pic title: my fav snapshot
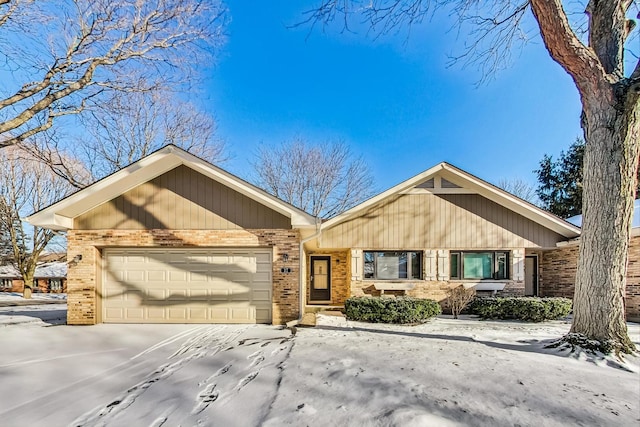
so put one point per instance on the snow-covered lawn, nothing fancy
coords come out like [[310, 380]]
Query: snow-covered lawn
[[443, 373], [17, 297]]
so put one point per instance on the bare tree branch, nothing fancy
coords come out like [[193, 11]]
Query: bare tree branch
[[97, 46], [322, 180]]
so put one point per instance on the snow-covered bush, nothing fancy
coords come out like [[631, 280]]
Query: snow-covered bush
[[391, 310], [529, 309]]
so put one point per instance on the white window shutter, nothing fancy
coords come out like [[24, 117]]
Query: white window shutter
[[430, 265], [518, 265], [443, 264], [356, 264]]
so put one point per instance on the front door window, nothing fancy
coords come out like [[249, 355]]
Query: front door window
[[320, 279]]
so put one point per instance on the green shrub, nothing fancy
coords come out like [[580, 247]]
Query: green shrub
[[391, 310], [529, 309]]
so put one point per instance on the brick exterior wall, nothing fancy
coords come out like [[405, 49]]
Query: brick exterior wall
[[558, 273], [339, 276], [84, 277]]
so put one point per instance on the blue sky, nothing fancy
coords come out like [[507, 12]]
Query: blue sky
[[393, 101]]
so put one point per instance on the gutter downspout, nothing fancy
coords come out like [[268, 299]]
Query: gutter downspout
[[302, 288]]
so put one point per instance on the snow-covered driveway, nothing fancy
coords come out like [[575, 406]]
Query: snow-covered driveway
[[130, 375], [443, 373]]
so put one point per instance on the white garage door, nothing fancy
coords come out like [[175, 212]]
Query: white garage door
[[186, 286]]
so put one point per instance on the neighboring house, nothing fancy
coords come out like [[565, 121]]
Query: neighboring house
[[174, 239], [561, 264], [49, 277]]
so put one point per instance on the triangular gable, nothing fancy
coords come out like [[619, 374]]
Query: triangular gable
[[445, 178], [60, 215]]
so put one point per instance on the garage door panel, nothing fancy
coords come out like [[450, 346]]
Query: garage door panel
[[177, 276], [183, 286], [156, 294], [263, 315], [263, 278], [114, 313], [219, 294], [156, 313], [242, 313], [134, 276], [261, 296], [134, 313], [177, 313], [157, 276], [198, 313], [198, 294]]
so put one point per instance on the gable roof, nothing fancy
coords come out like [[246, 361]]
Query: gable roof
[[60, 215], [446, 178]]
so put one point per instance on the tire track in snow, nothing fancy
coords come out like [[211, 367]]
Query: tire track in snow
[[207, 342], [258, 360]]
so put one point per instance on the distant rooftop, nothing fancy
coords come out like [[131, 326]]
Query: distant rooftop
[[46, 270], [577, 220]]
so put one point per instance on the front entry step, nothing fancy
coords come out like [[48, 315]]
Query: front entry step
[[308, 320], [319, 308]]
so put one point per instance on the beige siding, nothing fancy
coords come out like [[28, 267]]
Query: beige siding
[[455, 221], [181, 199]]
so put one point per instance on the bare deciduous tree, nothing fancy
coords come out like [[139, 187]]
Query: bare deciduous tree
[[127, 127], [60, 57], [591, 48], [520, 188], [26, 185], [323, 180]]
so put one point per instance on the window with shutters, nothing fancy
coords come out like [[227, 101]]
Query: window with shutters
[[388, 265], [475, 265]]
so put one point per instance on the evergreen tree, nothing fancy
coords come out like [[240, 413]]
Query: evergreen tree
[[560, 182]]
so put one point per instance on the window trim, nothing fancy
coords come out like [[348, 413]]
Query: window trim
[[6, 283], [420, 257], [494, 253]]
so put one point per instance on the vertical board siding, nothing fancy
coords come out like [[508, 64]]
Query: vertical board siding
[[457, 221], [181, 199]]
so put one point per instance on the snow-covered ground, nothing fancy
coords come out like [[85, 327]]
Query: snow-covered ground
[[39, 297], [443, 373], [42, 309]]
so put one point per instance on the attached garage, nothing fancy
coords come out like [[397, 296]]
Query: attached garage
[[160, 285], [172, 238]]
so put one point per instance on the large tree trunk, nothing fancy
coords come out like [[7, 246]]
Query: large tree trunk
[[610, 168]]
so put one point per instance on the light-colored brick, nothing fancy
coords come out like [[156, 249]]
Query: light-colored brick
[[82, 277]]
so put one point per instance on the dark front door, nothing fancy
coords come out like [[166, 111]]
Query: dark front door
[[320, 278], [531, 276]]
